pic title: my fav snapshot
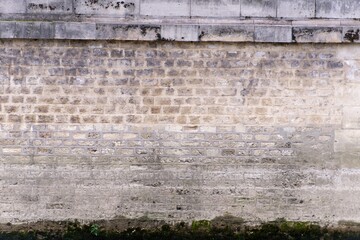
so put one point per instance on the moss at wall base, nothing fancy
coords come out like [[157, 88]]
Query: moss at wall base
[[220, 228]]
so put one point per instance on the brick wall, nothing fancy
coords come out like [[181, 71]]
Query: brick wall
[[178, 131]]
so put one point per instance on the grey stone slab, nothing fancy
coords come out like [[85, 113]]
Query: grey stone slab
[[351, 34], [226, 33], [75, 30], [337, 8], [11, 6], [215, 8], [296, 8], [180, 32], [128, 32], [317, 34], [7, 29], [273, 34], [107, 7], [258, 8], [35, 30], [49, 6], [173, 8]]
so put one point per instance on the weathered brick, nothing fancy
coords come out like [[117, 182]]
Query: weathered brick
[[144, 119]]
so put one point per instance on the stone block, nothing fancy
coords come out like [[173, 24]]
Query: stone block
[[7, 29], [128, 32], [347, 140], [337, 9], [352, 72], [180, 32], [11, 6], [172, 8], [107, 7], [296, 8], [215, 8], [258, 8], [75, 30], [226, 33], [41, 30], [349, 96], [273, 34], [49, 6], [317, 34], [351, 117]]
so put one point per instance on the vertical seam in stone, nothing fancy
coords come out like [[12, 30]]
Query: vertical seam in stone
[[26, 9], [315, 9], [190, 3], [240, 1], [73, 7]]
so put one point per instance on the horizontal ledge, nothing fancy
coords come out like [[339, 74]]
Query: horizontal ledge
[[311, 31]]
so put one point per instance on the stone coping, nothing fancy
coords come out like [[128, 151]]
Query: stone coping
[[271, 31], [291, 9]]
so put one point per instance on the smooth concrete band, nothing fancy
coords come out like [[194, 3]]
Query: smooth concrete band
[[245, 31]]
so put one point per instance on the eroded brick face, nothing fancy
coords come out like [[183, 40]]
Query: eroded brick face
[[176, 131]]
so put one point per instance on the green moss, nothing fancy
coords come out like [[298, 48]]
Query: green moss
[[218, 229], [203, 225]]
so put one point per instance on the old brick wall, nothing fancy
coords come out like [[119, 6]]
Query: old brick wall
[[178, 131]]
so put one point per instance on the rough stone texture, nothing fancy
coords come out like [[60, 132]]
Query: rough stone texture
[[128, 32], [107, 7], [318, 35], [178, 131], [351, 34], [226, 34], [49, 6]]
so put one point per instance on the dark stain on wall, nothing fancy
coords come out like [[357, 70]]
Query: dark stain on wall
[[352, 35], [111, 4]]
